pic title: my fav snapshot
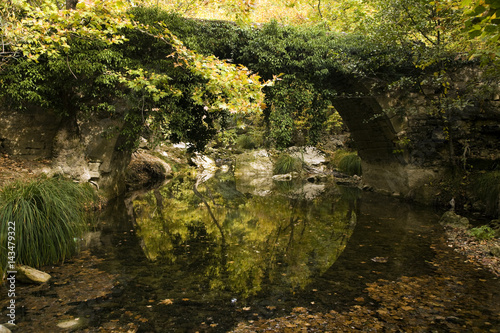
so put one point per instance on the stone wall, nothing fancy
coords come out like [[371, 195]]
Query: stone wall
[[28, 134], [81, 148]]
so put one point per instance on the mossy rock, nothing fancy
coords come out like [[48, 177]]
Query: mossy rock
[[495, 250], [453, 220]]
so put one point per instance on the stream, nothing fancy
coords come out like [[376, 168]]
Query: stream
[[230, 256]]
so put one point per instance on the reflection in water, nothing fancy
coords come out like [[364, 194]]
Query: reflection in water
[[243, 243]]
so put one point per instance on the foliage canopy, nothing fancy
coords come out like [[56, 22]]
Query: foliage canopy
[[91, 58], [102, 52]]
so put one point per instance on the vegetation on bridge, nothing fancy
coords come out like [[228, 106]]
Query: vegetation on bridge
[[168, 70]]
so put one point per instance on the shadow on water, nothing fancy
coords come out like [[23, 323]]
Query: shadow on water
[[296, 246]]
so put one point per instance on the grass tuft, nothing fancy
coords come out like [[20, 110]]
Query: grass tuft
[[49, 215], [286, 164], [350, 164]]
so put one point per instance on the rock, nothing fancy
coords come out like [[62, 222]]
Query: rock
[[143, 143], [28, 274], [283, 177], [94, 170], [286, 177], [310, 155], [495, 250], [71, 324], [317, 178], [180, 145], [145, 170], [4, 329], [204, 162], [452, 219], [9, 326], [256, 162]]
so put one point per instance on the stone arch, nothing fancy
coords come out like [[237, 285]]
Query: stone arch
[[375, 133]]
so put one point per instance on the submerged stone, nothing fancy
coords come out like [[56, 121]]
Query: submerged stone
[[28, 274], [71, 323]]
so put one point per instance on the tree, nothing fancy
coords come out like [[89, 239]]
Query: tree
[[483, 24], [87, 49]]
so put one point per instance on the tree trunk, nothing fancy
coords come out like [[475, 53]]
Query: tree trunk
[[71, 4]]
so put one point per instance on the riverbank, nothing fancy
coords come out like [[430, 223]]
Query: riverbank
[[475, 250], [12, 169]]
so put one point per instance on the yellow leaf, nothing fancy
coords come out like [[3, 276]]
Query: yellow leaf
[[167, 301]]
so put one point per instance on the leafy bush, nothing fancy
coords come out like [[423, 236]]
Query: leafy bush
[[483, 232], [350, 164], [287, 163], [49, 214]]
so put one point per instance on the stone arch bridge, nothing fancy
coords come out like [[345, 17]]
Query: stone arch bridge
[[402, 153]]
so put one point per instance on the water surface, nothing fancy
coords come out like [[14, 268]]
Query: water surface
[[205, 254]]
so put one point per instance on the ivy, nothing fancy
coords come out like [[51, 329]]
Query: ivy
[[91, 58]]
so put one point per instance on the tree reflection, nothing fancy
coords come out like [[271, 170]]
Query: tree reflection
[[241, 243]]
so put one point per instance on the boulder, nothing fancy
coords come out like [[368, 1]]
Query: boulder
[[145, 170], [204, 162], [310, 155], [495, 250], [255, 162], [452, 219], [28, 274], [4, 329]]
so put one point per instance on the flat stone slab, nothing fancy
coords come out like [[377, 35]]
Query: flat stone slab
[[28, 274]]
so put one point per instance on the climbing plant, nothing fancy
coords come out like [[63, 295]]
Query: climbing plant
[[86, 60]]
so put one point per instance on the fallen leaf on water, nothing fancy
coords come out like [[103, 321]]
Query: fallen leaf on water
[[380, 259], [299, 309], [167, 301]]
